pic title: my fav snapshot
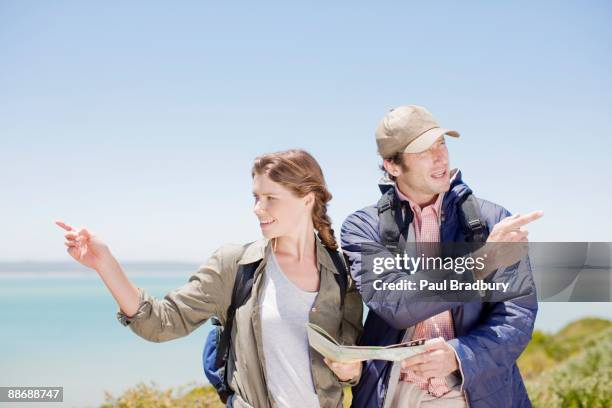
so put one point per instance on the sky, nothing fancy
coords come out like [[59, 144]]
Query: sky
[[141, 120]]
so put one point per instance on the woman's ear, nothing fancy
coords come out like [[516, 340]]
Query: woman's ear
[[309, 200]]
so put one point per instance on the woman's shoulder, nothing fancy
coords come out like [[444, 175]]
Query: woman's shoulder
[[242, 253], [223, 264]]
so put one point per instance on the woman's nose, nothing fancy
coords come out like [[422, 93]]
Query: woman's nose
[[258, 208]]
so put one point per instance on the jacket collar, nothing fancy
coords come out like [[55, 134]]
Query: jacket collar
[[257, 250]]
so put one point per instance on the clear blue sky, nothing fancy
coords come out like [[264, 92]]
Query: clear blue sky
[[140, 120]]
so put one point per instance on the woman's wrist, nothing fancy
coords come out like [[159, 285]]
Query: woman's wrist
[[107, 262]]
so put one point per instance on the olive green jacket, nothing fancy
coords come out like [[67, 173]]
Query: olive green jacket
[[208, 293]]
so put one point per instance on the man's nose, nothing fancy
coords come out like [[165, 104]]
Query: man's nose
[[439, 155]]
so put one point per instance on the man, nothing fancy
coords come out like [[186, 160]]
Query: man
[[472, 346]]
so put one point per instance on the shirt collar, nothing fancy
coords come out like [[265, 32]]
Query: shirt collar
[[436, 205], [415, 207], [257, 250]]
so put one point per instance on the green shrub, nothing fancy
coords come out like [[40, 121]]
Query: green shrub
[[150, 396], [583, 380]]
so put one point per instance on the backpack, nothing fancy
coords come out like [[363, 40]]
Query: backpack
[[217, 345], [393, 225], [391, 218]]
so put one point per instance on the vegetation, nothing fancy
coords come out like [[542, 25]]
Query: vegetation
[[572, 369], [569, 369], [150, 396]]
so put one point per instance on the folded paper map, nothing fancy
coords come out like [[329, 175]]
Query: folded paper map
[[325, 344]]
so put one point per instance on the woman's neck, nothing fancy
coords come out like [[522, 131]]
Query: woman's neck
[[299, 246]]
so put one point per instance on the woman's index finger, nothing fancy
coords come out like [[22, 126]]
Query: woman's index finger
[[64, 225]]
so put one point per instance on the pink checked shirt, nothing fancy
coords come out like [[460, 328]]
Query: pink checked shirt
[[426, 223]]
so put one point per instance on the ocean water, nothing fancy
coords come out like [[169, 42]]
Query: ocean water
[[61, 330]]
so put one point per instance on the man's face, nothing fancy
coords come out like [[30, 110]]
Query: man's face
[[424, 174]]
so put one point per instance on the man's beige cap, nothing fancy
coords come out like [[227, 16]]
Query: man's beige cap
[[410, 129]]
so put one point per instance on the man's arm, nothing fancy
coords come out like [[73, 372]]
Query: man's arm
[[399, 308], [506, 327], [495, 344]]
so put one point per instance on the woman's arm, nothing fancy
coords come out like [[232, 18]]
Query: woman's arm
[[90, 251], [123, 290], [182, 310], [352, 328], [352, 316]]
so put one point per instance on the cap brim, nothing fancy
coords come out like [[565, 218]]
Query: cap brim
[[424, 142]]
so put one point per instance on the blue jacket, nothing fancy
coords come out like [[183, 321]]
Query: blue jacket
[[489, 336]]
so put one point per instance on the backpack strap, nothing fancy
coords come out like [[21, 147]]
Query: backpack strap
[[474, 227], [243, 285], [393, 213], [342, 275], [390, 216]]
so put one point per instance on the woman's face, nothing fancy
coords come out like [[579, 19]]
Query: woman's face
[[279, 211]]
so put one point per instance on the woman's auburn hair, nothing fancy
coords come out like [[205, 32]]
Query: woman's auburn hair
[[300, 173]]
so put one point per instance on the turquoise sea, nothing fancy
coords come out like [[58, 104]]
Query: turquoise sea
[[61, 330]]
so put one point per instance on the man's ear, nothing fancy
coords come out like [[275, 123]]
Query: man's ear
[[391, 168]]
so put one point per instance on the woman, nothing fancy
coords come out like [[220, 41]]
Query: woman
[[271, 364]]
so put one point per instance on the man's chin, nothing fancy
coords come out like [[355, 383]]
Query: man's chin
[[441, 186]]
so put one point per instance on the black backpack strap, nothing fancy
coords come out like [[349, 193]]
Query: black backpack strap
[[393, 225], [342, 275], [474, 227], [243, 285], [394, 217]]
